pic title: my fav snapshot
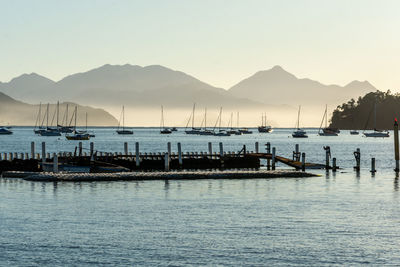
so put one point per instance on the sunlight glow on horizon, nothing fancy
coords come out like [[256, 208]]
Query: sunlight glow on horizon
[[219, 42]]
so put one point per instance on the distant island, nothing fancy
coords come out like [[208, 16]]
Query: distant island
[[360, 114]]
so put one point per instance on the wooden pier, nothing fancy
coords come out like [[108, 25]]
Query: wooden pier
[[100, 161]]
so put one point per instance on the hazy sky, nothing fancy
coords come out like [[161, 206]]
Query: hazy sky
[[217, 41]]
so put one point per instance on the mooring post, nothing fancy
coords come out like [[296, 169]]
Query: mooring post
[[137, 155], [396, 144], [373, 170], [210, 149], [55, 162], [169, 148], [357, 155], [273, 157], [32, 150], [297, 152], [126, 148], [180, 155], [268, 148], [80, 149], [327, 156], [43, 152], [221, 149], [91, 149], [334, 165], [303, 161], [166, 161], [256, 147]]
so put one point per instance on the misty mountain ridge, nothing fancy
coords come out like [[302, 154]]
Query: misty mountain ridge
[[275, 91], [276, 85], [116, 85]]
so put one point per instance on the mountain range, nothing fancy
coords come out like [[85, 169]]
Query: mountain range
[[274, 91]]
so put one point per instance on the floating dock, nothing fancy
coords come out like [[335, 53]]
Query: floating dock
[[156, 175]]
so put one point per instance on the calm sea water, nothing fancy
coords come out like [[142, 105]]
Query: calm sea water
[[335, 219]]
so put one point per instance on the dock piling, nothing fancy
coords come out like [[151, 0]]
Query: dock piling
[[268, 148], [373, 170], [32, 150], [303, 161], [210, 149], [296, 154], [91, 149], [334, 165], [256, 145], [137, 155], [221, 149], [126, 148], [55, 163], [166, 161], [180, 155], [43, 152], [396, 144], [273, 157], [327, 156], [357, 155], [80, 149], [169, 148]]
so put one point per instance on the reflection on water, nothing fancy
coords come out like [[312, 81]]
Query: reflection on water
[[344, 218]]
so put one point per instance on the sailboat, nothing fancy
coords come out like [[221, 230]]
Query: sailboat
[[232, 130], [264, 128], [376, 132], [299, 133], [205, 131], [326, 131], [123, 131], [76, 134], [63, 128], [220, 132], [38, 127], [50, 131], [163, 130], [193, 130]]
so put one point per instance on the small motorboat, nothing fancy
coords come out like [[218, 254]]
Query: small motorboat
[[4, 131], [354, 132]]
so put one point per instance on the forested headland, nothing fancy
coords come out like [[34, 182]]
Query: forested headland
[[360, 114]]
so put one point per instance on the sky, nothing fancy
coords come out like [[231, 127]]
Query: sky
[[217, 41]]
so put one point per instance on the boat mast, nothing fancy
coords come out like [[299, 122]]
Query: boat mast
[[298, 118], [326, 116], [162, 118], [58, 106], [123, 118], [39, 115], [76, 115], [375, 116], [66, 115], [194, 107], [205, 119], [47, 117], [86, 121]]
